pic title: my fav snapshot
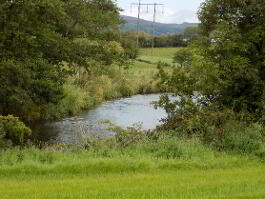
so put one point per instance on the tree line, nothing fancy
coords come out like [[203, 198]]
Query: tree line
[[165, 40]]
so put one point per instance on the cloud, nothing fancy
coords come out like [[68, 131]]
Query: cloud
[[165, 15]]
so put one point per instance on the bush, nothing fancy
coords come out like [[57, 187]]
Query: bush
[[247, 141], [25, 87], [223, 130], [13, 129], [123, 87], [130, 136]]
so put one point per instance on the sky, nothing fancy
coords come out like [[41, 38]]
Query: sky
[[173, 11]]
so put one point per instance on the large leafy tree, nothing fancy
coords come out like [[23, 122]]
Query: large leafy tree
[[228, 64], [37, 35], [234, 33]]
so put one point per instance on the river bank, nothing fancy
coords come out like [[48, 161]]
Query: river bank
[[83, 92]]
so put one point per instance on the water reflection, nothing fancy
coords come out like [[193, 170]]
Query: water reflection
[[123, 112]]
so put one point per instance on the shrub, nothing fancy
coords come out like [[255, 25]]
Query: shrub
[[13, 129], [247, 141], [130, 136], [223, 130], [123, 87]]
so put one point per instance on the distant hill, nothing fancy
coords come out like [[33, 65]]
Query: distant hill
[[160, 28]]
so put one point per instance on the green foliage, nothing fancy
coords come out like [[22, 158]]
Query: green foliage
[[250, 140], [160, 41], [169, 40], [183, 56], [191, 34], [223, 130], [123, 86], [224, 71], [238, 66], [13, 129], [179, 148], [37, 36], [130, 136], [221, 91], [128, 42], [24, 88]]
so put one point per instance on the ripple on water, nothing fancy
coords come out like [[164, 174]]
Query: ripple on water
[[123, 112]]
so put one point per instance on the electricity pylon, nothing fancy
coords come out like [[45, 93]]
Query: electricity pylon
[[139, 4]]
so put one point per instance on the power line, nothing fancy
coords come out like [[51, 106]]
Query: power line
[[139, 4]]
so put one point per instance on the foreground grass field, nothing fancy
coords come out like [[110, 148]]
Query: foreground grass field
[[187, 170], [177, 184]]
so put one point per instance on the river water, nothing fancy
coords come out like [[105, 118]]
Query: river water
[[125, 112]]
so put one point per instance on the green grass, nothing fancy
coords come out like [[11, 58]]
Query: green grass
[[128, 174], [158, 54], [215, 184], [142, 71], [169, 168]]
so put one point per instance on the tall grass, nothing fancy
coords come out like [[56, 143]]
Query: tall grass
[[164, 168], [107, 156]]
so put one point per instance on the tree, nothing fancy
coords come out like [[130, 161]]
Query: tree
[[235, 44], [191, 33], [183, 56], [227, 70], [36, 36]]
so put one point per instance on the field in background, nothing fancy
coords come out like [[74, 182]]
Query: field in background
[[144, 68], [158, 54]]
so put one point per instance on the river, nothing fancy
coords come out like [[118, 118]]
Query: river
[[125, 112]]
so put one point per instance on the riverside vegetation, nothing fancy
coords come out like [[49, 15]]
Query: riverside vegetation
[[211, 145]]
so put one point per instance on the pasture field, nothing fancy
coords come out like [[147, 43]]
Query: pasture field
[[143, 70], [158, 54]]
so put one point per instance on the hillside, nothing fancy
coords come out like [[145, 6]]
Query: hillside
[[160, 28]]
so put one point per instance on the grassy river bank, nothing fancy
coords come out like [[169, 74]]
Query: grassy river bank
[[84, 91]]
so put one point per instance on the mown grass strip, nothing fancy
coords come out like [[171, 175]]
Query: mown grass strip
[[241, 183]]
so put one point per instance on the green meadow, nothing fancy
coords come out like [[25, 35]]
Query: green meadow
[[142, 71]]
